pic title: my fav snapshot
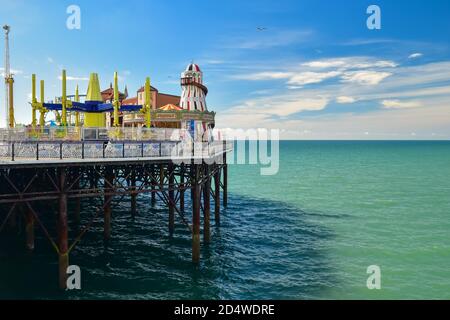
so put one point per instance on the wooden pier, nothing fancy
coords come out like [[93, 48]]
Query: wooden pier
[[59, 174]]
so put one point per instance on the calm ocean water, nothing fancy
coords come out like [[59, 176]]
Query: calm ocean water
[[309, 232]]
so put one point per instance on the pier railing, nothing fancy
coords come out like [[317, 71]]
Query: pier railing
[[92, 134], [66, 150]]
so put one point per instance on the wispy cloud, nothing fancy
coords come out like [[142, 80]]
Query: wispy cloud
[[279, 105], [350, 63], [397, 104], [359, 70], [345, 100], [365, 77], [71, 78], [213, 61], [363, 42], [311, 77], [268, 75], [13, 71], [415, 55], [325, 63]]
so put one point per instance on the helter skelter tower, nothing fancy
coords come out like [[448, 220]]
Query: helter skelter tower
[[193, 98], [193, 92]]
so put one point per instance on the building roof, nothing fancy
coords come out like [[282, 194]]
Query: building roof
[[169, 107], [133, 100], [162, 99], [108, 94], [141, 89], [193, 67]]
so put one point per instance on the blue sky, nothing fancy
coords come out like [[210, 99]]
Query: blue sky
[[315, 71]]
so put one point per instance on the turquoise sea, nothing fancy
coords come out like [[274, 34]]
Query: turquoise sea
[[309, 232]]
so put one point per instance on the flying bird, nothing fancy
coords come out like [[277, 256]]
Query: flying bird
[[261, 28]]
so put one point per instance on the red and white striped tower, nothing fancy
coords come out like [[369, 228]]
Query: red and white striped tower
[[193, 92], [193, 98]]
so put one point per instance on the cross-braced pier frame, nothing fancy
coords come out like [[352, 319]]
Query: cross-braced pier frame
[[25, 183]]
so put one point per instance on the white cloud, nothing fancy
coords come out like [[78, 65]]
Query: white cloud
[[264, 76], [415, 55], [350, 63], [279, 105], [13, 71], [326, 63], [294, 87], [311, 77], [361, 70], [259, 92], [397, 104], [345, 99], [70, 78], [286, 108], [389, 90], [294, 79], [213, 61], [365, 77], [374, 64]]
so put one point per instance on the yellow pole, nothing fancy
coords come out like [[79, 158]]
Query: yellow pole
[[33, 88], [42, 108], [33, 101], [116, 102], [42, 91], [77, 114], [148, 104], [11, 102], [64, 100]]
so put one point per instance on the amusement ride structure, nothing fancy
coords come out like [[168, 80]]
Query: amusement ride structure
[[192, 116]]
